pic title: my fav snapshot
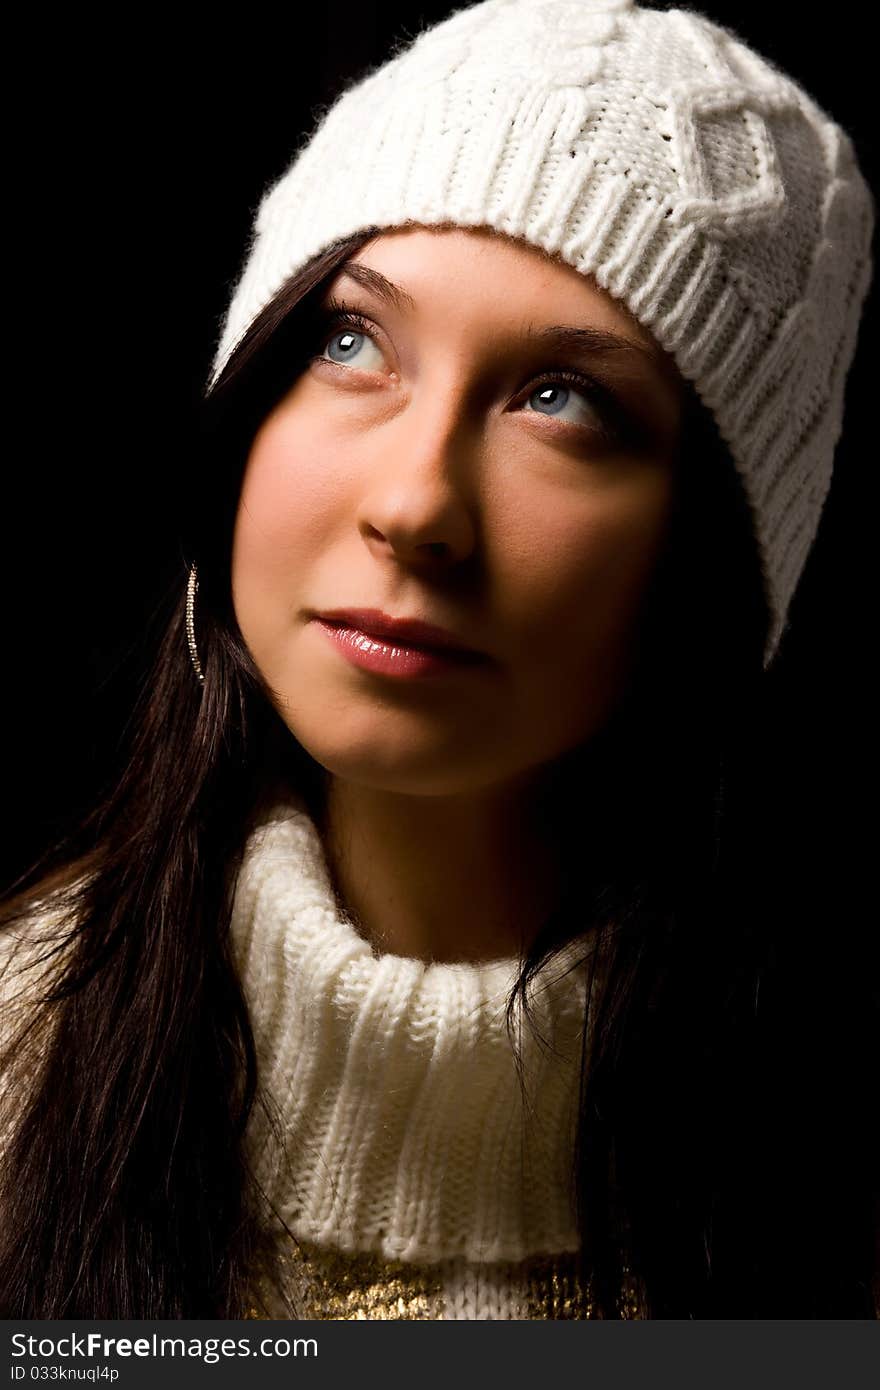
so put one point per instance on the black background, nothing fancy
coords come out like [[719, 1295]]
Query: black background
[[138, 146]]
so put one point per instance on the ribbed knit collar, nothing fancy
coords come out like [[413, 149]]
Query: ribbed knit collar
[[405, 1131]]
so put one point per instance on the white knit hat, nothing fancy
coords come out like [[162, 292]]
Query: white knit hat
[[651, 150]]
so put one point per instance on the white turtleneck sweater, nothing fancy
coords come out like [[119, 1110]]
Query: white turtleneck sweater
[[416, 1177]]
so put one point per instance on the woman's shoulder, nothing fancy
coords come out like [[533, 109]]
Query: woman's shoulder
[[29, 956], [30, 945]]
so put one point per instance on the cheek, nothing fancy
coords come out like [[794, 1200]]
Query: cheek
[[289, 497], [277, 529], [585, 558], [283, 496], [578, 569]]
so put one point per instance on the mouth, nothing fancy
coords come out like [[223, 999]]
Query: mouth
[[400, 632], [394, 656]]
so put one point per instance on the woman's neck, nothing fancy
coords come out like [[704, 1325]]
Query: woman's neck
[[442, 878]]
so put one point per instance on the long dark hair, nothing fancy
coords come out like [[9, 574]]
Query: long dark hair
[[130, 1073]]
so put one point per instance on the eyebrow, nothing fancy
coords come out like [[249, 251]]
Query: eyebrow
[[557, 338]]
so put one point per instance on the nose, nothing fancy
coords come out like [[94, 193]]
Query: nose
[[420, 500]]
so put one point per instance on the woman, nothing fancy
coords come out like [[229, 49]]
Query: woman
[[541, 340]]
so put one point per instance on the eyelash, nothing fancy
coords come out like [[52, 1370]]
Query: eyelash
[[616, 427]]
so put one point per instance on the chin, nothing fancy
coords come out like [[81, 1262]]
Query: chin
[[405, 771]]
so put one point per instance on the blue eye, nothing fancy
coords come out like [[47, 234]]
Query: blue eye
[[559, 390], [354, 332], [556, 393]]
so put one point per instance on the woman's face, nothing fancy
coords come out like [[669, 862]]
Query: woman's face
[[457, 460]]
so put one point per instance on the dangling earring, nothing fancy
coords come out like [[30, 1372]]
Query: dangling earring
[[190, 622]]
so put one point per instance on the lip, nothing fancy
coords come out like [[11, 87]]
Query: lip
[[402, 632], [390, 655]]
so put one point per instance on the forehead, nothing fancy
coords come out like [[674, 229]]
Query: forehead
[[505, 282]]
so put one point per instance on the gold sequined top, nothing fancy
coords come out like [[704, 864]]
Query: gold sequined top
[[420, 1173], [324, 1283]]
